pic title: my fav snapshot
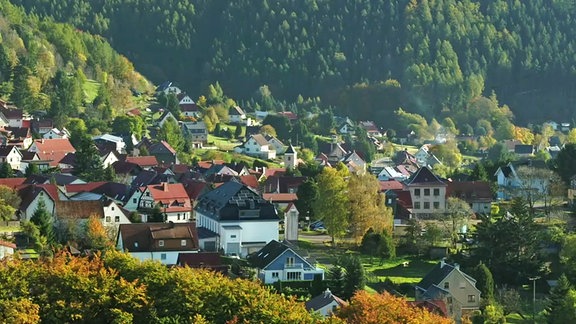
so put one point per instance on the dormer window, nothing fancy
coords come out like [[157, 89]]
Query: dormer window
[[161, 243]]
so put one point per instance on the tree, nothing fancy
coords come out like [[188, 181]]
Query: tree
[[499, 153], [561, 305], [9, 203], [43, 220], [510, 300], [533, 184], [307, 194], [354, 276], [95, 234], [484, 281], [156, 215], [268, 130], [565, 162], [336, 279], [454, 217], [281, 125], [568, 256], [331, 206], [88, 165], [383, 308], [326, 122], [31, 170], [366, 206], [6, 170], [238, 131], [19, 310], [67, 97], [172, 133]]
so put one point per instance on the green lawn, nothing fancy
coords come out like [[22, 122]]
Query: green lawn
[[4, 229], [395, 270], [90, 88]]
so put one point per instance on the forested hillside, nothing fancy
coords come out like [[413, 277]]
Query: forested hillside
[[442, 52], [50, 67]]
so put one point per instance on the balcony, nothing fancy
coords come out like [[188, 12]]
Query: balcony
[[294, 266]]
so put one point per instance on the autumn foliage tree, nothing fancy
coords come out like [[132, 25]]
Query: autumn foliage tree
[[366, 308]]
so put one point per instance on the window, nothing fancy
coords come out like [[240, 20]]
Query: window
[[148, 194], [108, 219], [462, 285], [163, 256], [182, 242], [416, 192], [426, 192], [446, 285], [471, 298], [449, 300], [293, 276], [161, 243], [117, 219], [416, 205], [436, 205], [133, 200], [232, 236], [436, 192], [289, 261], [274, 274], [426, 205], [135, 244], [178, 215], [112, 207]]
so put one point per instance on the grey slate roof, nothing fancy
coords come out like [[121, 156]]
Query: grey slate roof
[[424, 176], [325, 298], [267, 254], [235, 201]]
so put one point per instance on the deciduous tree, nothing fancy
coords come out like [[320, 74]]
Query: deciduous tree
[[331, 206]]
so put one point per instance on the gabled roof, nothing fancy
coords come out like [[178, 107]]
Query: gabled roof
[[236, 111], [11, 113], [424, 177], [282, 184], [438, 274], [322, 300], [260, 139], [141, 237], [12, 183], [108, 138], [288, 114], [143, 161], [524, 149], [249, 180], [269, 253], [167, 191], [202, 260], [5, 150], [19, 132], [78, 209], [124, 167], [158, 148], [290, 149], [55, 145], [29, 192], [470, 190], [390, 185], [195, 188]]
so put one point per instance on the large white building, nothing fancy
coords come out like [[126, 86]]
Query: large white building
[[241, 221]]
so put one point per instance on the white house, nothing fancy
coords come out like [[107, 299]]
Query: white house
[[325, 304], [172, 199], [257, 146], [161, 242], [31, 196], [6, 249], [509, 183], [236, 115], [116, 140], [56, 133], [279, 262], [11, 155], [276, 145], [240, 219]]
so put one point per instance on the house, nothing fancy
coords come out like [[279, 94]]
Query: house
[[477, 194], [241, 221], [144, 162], [164, 153], [236, 115], [166, 115], [523, 150], [188, 107], [11, 155], [257, 146], [277, 261], [427, 192], [6, 249], [275, 144], [13, 115], [168, 87], [291, 116], [392, 173], [116, 142], [282, 184], [455, 288], [354, 163], [509, 183], [202, 260], [52, 150], [325, 304], [32, 194], [163, 242], [105, 210], [56, 133], [370, 128], [172, 199], [345, 126], [196, 132], [42, 126]]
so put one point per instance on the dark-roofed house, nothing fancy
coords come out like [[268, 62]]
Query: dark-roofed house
[[277, 261], [325, 304], [427, 192], [11, 155], [476, 193], [164, 153], [236, 115], [455, 288], [203, 260], [257, 146], [196, 132], [31, 196], [145, 162], [163, 242], [509, 183], [241, 220], [524, 150]]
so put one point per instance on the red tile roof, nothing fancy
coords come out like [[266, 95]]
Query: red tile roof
[[12, 182], [54, 145], [280, 197], [172, 194], [275, 172], [143, 161], [250, 181], [8, 244], [390, 185], [208, 164]]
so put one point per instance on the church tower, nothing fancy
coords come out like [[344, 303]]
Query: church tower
[[290, 158]]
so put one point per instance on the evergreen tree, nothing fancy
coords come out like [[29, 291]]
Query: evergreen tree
[[6, 170], [43, 219], [172, 133], [557, 301], [336, 279], [238, 132], [307, 193], [484, 281], [354, 276], [156, 215], [88, 165]]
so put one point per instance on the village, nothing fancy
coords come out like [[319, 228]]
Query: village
[[241, 219]]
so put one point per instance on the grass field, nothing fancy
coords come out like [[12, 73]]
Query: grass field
[[90, 88]]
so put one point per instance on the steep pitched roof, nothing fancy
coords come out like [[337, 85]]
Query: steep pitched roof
[[159, 147], [424, 177], [165, 190], [236, 111], [29, 192], [249, 180], [324, 299], [260, 139], [55, 145], [439, 273], [143, 161], [12, 183], [267, 254], [390, 185]]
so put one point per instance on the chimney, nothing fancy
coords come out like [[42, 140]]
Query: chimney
[[165, 186], [327, 293], [42, 141], [442, 263], [456, 266]]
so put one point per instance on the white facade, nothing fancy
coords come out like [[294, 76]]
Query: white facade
[[56, 133], [186, 100], [113, 215], [253, 148], [14, 158], [291, 223], [29, 211], [6, 250]]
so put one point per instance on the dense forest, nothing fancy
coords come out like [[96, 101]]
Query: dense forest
[[45, 67], [441, 53]]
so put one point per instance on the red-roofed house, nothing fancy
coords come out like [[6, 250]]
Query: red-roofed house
[[53, 150], [289, 115], [477, 194], [390, 185], [250, 180], [6, 249], [172, 198], [12, 183], [145, 162]]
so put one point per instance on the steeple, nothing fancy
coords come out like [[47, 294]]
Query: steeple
[[290, 157]]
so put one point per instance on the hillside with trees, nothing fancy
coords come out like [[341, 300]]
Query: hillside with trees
[[365, 57], [47, 67]]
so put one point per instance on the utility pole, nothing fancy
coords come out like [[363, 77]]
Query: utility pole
[[533, 279]]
